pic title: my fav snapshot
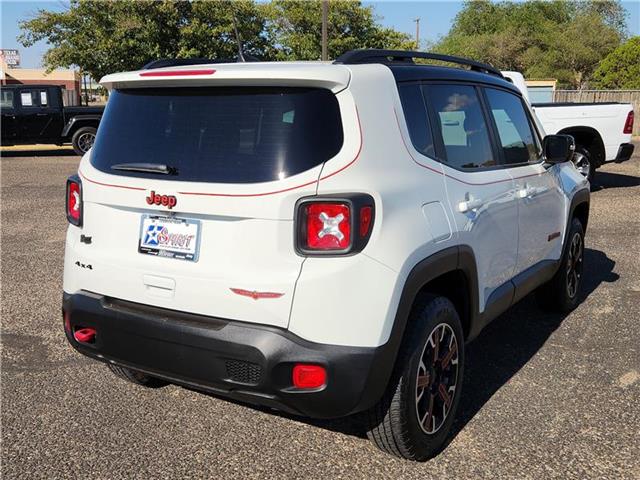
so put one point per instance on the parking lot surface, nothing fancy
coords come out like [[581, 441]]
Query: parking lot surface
[[545, 396]]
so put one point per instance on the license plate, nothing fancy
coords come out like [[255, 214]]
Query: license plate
[[170, 237]]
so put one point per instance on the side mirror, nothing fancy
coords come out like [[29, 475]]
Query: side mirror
[[558, 148]]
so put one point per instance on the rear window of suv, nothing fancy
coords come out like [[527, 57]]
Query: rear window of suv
[[219, 134]]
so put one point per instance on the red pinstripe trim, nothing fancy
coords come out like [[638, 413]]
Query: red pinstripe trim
[[249, 194], [446, 174], [108, 184]]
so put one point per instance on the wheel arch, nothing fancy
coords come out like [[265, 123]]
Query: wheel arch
[[589, 138], [452, 273], [579, 208], [78, 122], [438, 274]]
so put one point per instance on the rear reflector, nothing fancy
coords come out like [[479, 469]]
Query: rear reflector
[[309, 376], [74, 200], [628, 124], [366, 215], [178, 73], [67, 322], [85, 335]]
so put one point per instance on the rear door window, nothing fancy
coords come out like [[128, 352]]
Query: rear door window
[[462, 125], [220, 134], [29, 98]]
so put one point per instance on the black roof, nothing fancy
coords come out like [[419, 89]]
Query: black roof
[[401, 63], [416, 72]]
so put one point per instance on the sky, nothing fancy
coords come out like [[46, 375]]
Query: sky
[[435, 20]]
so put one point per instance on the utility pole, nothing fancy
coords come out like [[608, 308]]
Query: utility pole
[[86, 92], [417, 20], [325, 19]]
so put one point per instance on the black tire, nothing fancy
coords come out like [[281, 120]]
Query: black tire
[[136, 377], [393, 424], [83, 139], [562, 292], [585, 163]]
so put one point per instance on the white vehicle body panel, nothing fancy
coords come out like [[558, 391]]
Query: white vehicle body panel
[[247, 230], [607, 119]]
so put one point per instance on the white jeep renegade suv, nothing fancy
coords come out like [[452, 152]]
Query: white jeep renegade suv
[[320, 238]]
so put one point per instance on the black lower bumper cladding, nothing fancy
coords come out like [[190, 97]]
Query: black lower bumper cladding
[[242, 361], [624, 152]]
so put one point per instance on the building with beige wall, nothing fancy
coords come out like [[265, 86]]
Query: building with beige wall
[[541, 90], [69, 80]]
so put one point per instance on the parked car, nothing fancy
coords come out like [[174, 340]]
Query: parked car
[[322, 239], [602, 131], [33, 114]]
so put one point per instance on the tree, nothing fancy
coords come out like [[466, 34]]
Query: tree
[[209, 30], [555, 39], [105, 37], [621, 68], [295, 27]]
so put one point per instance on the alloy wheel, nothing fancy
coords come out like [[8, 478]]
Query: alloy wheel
[[85, 141], [437, 378], [582, 163], [574, 265]]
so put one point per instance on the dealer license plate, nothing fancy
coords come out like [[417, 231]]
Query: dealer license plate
[[170, 237]]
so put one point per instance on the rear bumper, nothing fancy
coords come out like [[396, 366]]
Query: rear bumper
[[241, 361], [624, 152]]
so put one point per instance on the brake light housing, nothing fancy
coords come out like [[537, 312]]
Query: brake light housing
[[628, 124], [334, 224], [73, 202]]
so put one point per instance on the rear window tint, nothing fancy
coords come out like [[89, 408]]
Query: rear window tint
[[220, 134]]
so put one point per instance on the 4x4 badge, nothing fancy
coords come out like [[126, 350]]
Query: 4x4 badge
[[168, 201]]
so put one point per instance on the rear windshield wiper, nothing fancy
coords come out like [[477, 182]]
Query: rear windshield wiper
[[146, 168]]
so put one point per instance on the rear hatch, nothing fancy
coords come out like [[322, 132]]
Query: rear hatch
[[189, 190]]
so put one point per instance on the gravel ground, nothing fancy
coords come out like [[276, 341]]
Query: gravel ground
[[546, 396]]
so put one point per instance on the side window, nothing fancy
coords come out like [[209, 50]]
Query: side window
[[514, 129], [415, 114], [7, 98], [462, 125], [29, 98], [44, 98]]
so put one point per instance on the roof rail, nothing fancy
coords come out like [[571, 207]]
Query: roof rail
[[374, 55], [176, 62]]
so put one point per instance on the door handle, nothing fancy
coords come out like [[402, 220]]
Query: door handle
[[525, 192], [469, 203], [41, 114], [530, 192]]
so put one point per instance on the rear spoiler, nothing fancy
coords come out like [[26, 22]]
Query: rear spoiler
[[299, 74]]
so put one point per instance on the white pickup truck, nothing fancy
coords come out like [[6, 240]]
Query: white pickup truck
[[602, 131]]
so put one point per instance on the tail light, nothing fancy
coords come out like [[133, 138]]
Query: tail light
[[334, 225], [74, 200], [628, 124]]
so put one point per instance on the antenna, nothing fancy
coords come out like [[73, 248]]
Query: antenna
[[238, 40]]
